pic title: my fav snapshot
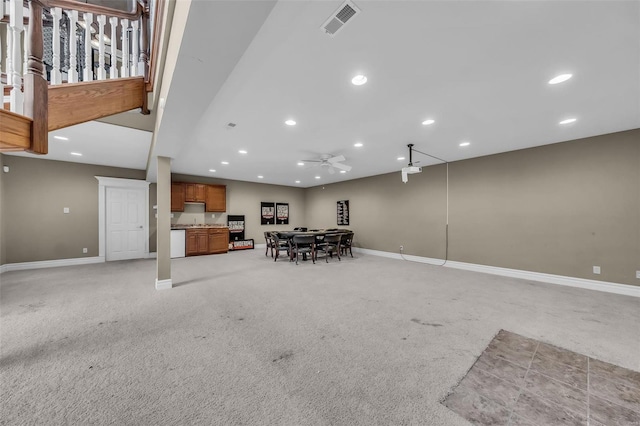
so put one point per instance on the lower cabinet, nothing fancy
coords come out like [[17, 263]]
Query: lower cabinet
[[207, 241]]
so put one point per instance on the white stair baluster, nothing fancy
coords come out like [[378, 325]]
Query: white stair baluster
[[56, 78], [15, 28], [73, 45], [88, 66], [124, 72], [102, 72], [113, 71], [135, 48], [9, 58], [25, 57]]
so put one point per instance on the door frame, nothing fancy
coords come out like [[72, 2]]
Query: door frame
[[109, 182]]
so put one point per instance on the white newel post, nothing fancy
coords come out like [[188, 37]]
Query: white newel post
[[135, 47], [102, 72], [73, 46], [56, 77], [124, 72], [88, 68], [15, 30], [113, 71]]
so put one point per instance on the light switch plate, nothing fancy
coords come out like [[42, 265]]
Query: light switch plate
[[596, 270], [65, 210], [638, 275]]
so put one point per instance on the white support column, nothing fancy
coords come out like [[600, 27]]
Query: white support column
[[102, 72], [16, 26], [113, 71], [88, 67], [56, 77], [163, 229], [135, 48], [125, 70], [73, 45]]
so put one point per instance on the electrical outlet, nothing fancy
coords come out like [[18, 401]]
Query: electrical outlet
[[65, 210], [401, 248], [596, 270], [84, 250], [638, 275]]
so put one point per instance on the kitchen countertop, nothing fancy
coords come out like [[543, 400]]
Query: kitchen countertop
[[197, 226]]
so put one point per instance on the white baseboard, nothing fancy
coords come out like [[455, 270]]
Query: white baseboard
[[163, 284], [608, 287], [50, 263], [151, 255], [260, 246]]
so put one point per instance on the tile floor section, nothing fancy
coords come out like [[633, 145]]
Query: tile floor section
[[521, 381]]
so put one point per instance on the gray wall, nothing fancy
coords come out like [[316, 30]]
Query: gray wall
[[558, 209], [35, 193], [244, 198]]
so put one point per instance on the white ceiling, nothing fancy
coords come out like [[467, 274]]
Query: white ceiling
[[479, 68], [99, 143]]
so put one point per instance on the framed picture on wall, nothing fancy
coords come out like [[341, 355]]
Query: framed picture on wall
[[343, 212], [267, 212], [282, 213]]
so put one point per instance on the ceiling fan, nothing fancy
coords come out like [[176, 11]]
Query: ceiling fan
[[330, 162]]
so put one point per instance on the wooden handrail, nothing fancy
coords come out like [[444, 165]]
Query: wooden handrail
[[95, 9]]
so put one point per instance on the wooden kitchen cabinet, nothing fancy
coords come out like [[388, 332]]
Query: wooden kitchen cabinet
[[197, 242], [218, 240], [177, 197], [194, 192], [215, 198], [206, 241]]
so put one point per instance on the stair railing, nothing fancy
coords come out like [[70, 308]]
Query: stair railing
[[70, 42]]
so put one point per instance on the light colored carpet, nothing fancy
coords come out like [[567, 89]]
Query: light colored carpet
[[244, 340]]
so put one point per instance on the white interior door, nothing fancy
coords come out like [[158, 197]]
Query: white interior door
[[125, 223]]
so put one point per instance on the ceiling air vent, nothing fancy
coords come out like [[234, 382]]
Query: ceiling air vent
[[341, 16]]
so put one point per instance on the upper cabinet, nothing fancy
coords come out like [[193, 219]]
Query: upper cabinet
[[194, 192], [177, 197], [215, 198]]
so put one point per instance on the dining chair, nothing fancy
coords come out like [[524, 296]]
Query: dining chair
[[303, 244], [269, 240], [279, 244], [345, 243], [329, 245]]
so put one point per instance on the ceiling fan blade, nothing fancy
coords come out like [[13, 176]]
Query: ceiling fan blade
[[331, 171], [311, 161], [342, 166], [334, 160]]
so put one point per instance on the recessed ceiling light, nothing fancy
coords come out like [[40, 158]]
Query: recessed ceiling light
[[400, 158], [212, 170], [300, 163], [62, 138], [560, 78], [297, 181], [465, 144], [224, 162], [290, 122], [568, 121], [242, 151], [357, 144], [428, 122], [317, 177], [260, 176], [77, 154], [359, 80], [343, 171]]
